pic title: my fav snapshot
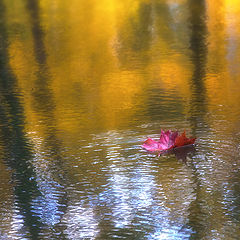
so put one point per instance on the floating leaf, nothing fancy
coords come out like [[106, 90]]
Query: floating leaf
[[151, 145], [182, 140], [168, 140]]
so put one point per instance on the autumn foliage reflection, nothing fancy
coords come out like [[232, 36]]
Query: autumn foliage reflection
[[92, 75]]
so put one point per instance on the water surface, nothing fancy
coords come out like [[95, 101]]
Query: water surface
[[83, 84]]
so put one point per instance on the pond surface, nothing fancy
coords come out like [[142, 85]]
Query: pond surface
[[83, 84]]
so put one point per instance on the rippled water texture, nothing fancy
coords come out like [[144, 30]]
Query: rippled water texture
[[83, 84]]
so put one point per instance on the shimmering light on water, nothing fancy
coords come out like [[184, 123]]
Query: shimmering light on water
[[83, 84]]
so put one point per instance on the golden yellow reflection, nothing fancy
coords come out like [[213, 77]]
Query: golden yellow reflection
[[96, 68], [223, 27]]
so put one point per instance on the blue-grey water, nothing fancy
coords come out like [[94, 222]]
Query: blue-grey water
[[83, 84]]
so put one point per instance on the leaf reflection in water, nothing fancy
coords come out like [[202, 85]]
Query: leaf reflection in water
[[182, 153]]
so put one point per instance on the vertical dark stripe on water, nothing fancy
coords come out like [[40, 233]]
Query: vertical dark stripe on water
[[141, 28], [44, 106], [135, 37], [198, 47], [17, 150]]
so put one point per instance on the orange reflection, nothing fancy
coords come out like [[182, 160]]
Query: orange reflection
[[223, 56], [98, 68]]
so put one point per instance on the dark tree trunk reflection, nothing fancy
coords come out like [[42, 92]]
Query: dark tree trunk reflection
[[198, 46], [44, 107], [17, 150], [198, 104]]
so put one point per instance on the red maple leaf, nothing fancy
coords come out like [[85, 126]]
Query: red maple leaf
[[167, 141], [182, 140]]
